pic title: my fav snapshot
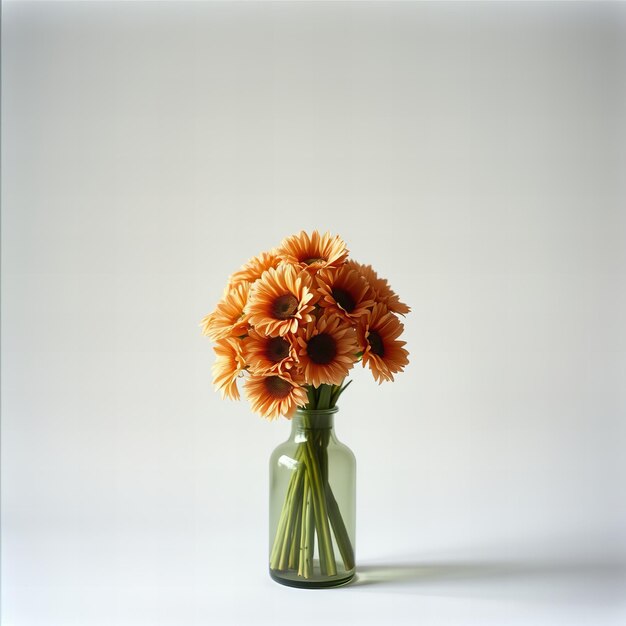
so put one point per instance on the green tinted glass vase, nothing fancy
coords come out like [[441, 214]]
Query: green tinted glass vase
[[312, 505]]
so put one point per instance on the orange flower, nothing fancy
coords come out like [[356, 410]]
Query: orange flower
[[267, 355], [381, 288], [280, 301], [227, 318], [272, 396], [344, 292], [327, 350], [254, 268], [227, 367], [378, 338], [314, 252]]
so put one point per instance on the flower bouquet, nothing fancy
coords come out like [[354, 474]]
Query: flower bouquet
[[292, 322]]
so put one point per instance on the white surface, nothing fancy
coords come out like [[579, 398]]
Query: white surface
[[472, 153]]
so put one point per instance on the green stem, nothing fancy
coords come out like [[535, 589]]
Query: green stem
[[323, 455], [339, 529], [294, 505], [280, 531], [294, 548], [337, 392], [305, 566], [287, 507], [312, 397], [315, 437], [324, 397], [334, 514], [321, 447], [319, 508]]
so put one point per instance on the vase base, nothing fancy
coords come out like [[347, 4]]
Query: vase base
[[298, 581]]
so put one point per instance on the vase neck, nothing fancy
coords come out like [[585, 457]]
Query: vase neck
[[305, 420]]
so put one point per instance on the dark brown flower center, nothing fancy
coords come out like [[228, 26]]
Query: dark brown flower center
[[377, 346], [321, 349], [276, 349], [284, 306], [277, 387], [344, 299]]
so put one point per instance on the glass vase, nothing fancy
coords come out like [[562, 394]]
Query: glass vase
[[312, 505]]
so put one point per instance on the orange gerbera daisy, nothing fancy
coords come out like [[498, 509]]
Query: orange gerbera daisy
[[280, 301], [254, 268], [345, 292], [267, 355], [327, 349], [273, 395], [314, 252], [227, 318], [228, 366], [378, 337], [381, 288]]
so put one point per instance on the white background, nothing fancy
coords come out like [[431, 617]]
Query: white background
[[474, 154]]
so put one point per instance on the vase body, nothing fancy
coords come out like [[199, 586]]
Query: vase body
[[312, 505]]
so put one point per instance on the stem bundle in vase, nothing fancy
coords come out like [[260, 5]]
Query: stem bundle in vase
[[293, 321], [310, 511]]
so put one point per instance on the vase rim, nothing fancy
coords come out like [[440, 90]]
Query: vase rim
[[330, 411]]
